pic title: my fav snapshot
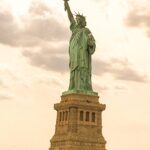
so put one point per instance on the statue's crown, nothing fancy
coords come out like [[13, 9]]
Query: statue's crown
[[80, 15]]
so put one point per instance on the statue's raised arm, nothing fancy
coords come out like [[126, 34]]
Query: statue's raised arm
[[67, 8]]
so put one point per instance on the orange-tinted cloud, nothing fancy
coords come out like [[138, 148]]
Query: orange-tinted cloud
[[139, 17], [8, 28], [47, 60], [120, 69], [4, 97], [2, 85], [39, 27]]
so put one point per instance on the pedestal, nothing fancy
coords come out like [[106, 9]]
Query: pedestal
[[79, 123]]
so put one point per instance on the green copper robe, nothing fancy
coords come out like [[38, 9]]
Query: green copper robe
[[82, 46]]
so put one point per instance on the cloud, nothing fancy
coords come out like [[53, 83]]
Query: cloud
[[4, 97], [49, 81], [48, 59], [120, 87], [130, 74], [43, 26], [39, 9], [7, 73], [2, 85], [9, 79], [120, 69], [48, 29], [8, 28], [139, 16], [37, 28], [108, 87], [102, 3], [101, 88]]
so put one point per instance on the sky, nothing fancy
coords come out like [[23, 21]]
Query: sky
[[34, 40]]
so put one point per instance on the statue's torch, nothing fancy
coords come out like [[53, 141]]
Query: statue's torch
[[66, 4]]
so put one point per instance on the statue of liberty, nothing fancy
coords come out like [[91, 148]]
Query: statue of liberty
[[81, 47]]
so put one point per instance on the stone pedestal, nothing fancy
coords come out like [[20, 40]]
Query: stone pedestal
[[79, 123]]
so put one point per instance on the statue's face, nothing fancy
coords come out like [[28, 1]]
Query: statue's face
[[80, 21]]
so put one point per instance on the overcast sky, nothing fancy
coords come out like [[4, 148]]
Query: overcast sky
[[34, 38]]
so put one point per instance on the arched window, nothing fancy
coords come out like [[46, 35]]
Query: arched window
[[66, 116], [60, 116], [81, 115], [93, 116], [63, 116], [87, 116]]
